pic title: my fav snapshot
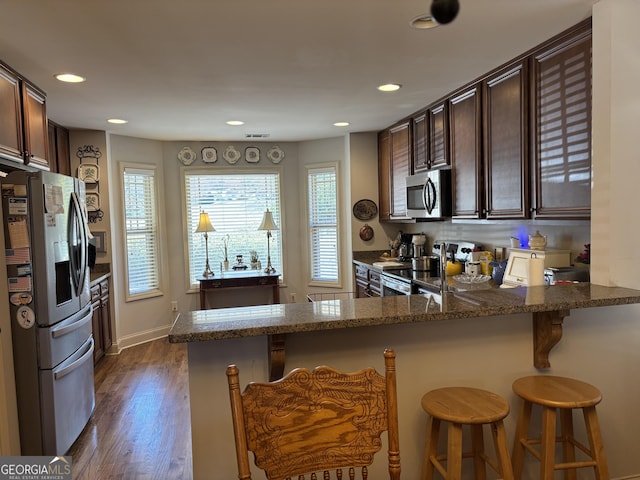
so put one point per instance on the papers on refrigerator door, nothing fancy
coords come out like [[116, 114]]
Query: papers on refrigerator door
[[18, 233], [53, 199]]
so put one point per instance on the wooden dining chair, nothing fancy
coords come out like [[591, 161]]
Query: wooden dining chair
[[312, 424]]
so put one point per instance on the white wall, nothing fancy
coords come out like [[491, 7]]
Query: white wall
[[144, 319]]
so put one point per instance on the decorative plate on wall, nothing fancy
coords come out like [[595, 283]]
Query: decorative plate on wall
[[209, 155], [365, 209], [366, 233], [275, 154], [89, 173], [252, 154], [93, 202], [186, 156], [231, 154]]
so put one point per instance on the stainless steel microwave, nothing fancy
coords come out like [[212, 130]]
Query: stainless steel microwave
[[429, 195]]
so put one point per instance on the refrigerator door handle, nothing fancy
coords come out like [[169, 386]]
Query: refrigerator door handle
[[57, 332], [57, 375], [80, 269]]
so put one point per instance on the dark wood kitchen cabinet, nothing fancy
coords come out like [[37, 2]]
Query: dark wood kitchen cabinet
[[430, 132], [488, 132], [367, 282], [394, 165], [505, 141], [23, 120], [561, 76], [438, 120], [101, 320], [400, 139], [420, 130], [384, 175], [59, 153], [465, 130], [517, 139]]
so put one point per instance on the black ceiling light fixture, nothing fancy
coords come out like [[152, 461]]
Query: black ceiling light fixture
[[444, 11]]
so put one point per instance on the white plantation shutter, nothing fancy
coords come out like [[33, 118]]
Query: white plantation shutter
[[323, 224], [141, 231], [235, 203]]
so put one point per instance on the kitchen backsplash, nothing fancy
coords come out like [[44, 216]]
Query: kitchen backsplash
[[571, 237]]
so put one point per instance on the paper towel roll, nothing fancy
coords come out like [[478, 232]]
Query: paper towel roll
[[536, 271]]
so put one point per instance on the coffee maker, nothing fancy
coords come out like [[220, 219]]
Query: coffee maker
[[405, 251], [417, 245]]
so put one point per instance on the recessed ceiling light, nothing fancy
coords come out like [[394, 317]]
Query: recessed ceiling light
[[117, 121], [423, 22], [70, 78], [341, 124], [235, 122], [389, 87]]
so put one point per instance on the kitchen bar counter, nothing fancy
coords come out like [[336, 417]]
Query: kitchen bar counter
[[548, 305]]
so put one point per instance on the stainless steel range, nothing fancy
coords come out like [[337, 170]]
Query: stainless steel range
[[393, 282], [398, 278]]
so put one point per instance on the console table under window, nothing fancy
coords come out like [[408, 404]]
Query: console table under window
[[250, 279], [238, 279]]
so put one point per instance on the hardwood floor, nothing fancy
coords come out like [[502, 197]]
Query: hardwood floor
[[140, 428]]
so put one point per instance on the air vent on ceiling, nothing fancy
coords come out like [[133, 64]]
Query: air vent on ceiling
[[256, 135]]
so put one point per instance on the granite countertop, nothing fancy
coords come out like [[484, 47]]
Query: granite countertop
[[204, 325], [99, 273]]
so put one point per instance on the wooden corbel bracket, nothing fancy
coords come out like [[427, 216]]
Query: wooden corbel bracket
[[547, 332]]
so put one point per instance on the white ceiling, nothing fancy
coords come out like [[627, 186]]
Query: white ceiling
[[178, 69]]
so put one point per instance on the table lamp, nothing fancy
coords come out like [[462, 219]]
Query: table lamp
[[205, 226], [268, 224]]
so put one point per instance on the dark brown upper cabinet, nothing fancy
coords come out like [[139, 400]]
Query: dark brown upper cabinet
[[23, 120], [11, 138], [59, 154], [384, 174], [517, 139], [430, 130], [420, 142], [400, 139], [438, 135], [36, 136], [466, 153], [505, 141], [561, 115]]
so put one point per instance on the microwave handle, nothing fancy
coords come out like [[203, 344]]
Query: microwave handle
[[429, 195]]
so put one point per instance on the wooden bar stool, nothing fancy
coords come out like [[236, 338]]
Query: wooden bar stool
[[563, 394], [465, 406]]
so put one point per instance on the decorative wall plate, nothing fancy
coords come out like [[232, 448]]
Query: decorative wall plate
[[93, 202], [209, 155], [275, 154], [366, 233], [365, 209], [231, 154], [89, 173], [186, 156], [252, 154]]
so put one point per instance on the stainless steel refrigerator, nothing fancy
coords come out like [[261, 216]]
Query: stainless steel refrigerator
[[46, 250]]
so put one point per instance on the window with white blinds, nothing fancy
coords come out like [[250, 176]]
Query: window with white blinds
[[323, 224], [236, 203], [141, 231]]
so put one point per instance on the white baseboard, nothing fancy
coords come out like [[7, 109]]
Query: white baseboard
[[138, 338]]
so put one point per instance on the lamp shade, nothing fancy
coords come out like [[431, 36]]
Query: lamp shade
[[267, 222], [205, 224]]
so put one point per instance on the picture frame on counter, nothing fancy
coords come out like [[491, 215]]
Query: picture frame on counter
[[101, 241]]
